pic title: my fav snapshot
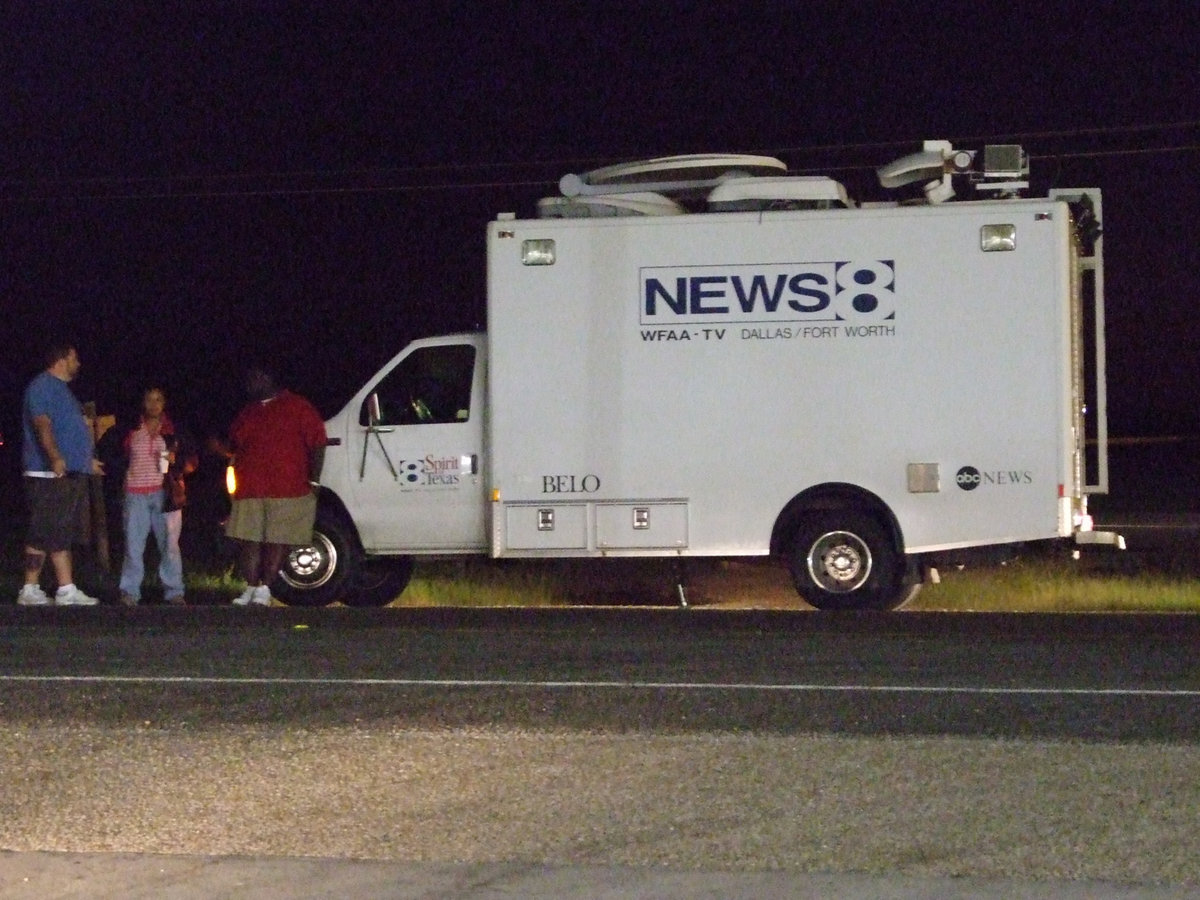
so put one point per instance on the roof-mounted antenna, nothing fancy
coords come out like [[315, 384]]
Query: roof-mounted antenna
[[692, 175], [1003, 168], [931, 163]]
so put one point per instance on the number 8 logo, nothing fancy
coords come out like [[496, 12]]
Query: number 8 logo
[[865, 290]]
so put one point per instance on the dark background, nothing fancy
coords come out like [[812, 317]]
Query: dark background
[[188, 187]]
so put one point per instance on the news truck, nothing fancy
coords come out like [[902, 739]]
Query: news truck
[[706, 356]]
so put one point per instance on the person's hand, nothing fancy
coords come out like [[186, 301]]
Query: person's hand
[[58, 466], [97, 467]]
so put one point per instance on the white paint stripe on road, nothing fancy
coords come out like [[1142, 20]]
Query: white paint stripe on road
[[608, 685]]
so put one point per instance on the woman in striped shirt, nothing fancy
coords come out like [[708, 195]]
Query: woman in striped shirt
[[157, 460]]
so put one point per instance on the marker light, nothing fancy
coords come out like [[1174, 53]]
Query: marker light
[[537, 252], [997, 237]]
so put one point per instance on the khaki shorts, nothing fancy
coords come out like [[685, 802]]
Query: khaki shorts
[[274, 520]]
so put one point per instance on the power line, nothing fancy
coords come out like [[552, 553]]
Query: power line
[[565, 164], [1005, 137], [1134, 151], [285, 190], [279, 192]]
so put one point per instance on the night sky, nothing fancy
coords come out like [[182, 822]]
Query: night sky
[[185, 187]]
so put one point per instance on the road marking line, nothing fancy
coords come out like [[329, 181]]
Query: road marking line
[[608, 685]]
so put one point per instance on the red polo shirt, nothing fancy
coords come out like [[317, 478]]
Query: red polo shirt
[[271, 441]]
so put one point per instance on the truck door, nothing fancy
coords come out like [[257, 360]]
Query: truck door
[[417, 450]]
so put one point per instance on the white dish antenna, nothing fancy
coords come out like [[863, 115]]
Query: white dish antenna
[[638, 203], [696, 173], [931, 163], [787, 191], [923, 166], [1003, 168]]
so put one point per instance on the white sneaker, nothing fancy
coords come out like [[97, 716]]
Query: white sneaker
[[261, 596], [33, 595], [73, 597], [244, 598]]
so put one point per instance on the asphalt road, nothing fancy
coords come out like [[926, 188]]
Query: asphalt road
[[592, 753]]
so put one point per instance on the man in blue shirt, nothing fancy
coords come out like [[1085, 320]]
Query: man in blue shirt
[[57, 456]]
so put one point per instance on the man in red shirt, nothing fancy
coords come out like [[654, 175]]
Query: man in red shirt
[[278, 441]]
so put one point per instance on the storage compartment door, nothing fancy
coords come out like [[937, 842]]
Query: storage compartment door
[[636, 526], [546, 527]]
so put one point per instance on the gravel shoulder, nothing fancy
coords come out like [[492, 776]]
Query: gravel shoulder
[[911, 807]]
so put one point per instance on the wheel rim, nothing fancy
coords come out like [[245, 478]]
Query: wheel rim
[[839, 562], [312, 565]]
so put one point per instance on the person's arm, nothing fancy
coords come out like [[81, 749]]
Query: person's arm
[[316, 439], [316, 460], [44, 429], [187, 456]]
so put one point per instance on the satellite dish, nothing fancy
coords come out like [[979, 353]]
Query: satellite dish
[[914, 167], [639, 203], [695, 173], [674, 168], [934, 165], [779, 192]]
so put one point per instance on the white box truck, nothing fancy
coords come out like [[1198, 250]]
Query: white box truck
[[703, 356]]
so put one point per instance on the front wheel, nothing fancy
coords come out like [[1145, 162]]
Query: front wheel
[[333, 567], [379, 581], [319, 572], [844, 559]]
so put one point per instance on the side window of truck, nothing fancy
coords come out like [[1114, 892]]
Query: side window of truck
[[430, 386]]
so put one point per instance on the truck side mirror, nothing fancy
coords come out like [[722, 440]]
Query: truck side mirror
[[373, 413]]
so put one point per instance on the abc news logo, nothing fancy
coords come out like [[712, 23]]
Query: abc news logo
[[968, 477]]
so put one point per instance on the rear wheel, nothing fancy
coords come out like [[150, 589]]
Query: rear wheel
[[844, 559]]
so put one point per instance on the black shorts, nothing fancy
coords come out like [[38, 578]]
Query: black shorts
[[57, 507]]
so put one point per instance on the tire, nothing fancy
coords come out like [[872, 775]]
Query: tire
[[379, 581], [320, 572], [333, 567], [844, 559]]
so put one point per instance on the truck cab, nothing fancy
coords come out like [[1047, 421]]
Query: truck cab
[[403, 475]]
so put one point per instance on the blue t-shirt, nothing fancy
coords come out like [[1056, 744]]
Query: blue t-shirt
[[48, 395]]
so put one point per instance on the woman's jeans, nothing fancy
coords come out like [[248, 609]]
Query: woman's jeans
[[143, 515]]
